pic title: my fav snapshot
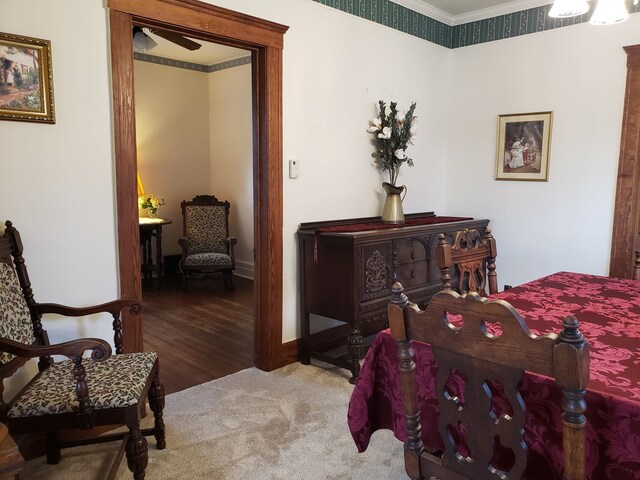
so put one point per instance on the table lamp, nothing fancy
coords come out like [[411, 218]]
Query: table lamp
[[140, 187]]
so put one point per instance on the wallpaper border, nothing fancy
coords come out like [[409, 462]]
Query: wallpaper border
[[403, 19], [168, 62]]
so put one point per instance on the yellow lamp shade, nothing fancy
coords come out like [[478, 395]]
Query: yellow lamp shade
[[140, 187]]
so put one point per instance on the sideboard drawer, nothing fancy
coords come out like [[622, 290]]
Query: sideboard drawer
[[409, 250], [412, 274]]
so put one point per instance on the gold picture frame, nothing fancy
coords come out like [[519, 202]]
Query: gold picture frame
[[524, 142], [26, 79]]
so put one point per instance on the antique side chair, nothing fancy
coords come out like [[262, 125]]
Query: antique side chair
[[77, 393], [483, 439], [472, 255], [207, 248]]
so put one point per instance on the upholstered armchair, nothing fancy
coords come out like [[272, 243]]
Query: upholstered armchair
[[207, 248], [80, 392]]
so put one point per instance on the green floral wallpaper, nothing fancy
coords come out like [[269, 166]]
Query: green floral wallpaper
[[387, 13]]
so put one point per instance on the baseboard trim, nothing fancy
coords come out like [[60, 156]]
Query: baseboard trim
[[244, 269], [289, 352]]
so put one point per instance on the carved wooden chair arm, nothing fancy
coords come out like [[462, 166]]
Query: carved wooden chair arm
[[231, 242], [101, 350], [114, 307], [184, 243]]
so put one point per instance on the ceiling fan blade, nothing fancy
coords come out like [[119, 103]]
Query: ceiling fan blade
[[177, 39]]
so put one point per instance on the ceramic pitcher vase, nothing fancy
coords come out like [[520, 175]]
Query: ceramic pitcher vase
[[392, 211], [147, 213]]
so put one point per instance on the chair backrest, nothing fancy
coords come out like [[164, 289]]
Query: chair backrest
[[473, 255], [484, 365], [19, 320], [205, 224]]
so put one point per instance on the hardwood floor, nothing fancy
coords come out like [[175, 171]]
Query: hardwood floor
[[201, 333]]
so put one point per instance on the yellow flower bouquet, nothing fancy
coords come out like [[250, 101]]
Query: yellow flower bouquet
[[150, 201]]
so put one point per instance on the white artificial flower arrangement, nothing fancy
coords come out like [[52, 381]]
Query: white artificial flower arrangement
[[394, 132]]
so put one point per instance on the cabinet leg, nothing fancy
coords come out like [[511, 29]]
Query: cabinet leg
[[354, 347], [305, 358]]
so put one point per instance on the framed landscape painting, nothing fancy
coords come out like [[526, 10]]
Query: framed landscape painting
[[26, 81], [524, 141]]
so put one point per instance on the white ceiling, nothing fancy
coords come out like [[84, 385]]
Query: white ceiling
[[451, 12], [459, 7], [207, 54], [455, 12]]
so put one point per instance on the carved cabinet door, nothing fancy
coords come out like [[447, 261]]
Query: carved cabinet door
[[375, 273]]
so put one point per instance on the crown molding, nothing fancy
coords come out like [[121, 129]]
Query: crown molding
[[498, 10], [421, 6], [426, 9]]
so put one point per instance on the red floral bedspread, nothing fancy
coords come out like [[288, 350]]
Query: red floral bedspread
[[609, 313]]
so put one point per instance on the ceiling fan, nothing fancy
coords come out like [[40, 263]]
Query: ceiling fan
[[143, 42]]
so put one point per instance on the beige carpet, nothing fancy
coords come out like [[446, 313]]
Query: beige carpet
[[288, 424]]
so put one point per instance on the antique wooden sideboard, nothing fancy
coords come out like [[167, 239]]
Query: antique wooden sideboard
[[347, 269]]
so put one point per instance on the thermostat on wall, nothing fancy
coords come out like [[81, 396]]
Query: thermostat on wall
[[294, 169]]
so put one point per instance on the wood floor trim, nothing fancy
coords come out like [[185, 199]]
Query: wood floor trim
[[626, 215], [265, 41]]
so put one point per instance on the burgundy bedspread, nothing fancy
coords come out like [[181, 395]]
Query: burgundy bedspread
[[609, 313]]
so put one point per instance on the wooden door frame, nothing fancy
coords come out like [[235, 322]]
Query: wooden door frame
[[265, 40], [626, 216]]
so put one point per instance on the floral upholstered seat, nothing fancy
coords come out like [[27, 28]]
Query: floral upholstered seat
[[80, 392], [117, 382], [207, 247], [204, 259]]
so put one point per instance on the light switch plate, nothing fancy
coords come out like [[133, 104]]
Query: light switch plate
[[294, 169]]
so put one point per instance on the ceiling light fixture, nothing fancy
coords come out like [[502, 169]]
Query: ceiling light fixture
[[568, 8], [141, 41], [607, 12]]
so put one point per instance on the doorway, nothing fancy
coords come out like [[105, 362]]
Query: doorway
[[194, 136], [265, 40]]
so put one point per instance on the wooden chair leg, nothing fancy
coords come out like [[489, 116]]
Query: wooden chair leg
[[156, 402], [228, 280], [53, 447], [136, 450]]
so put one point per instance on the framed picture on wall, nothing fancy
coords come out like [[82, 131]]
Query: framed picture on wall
[[26, 81], [524, 140]]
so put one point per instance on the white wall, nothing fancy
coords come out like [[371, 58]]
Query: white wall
[[231, 140], [330, 91], [57, 181], [172, 135], [578, 73], [194, 135], [336, 67]]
